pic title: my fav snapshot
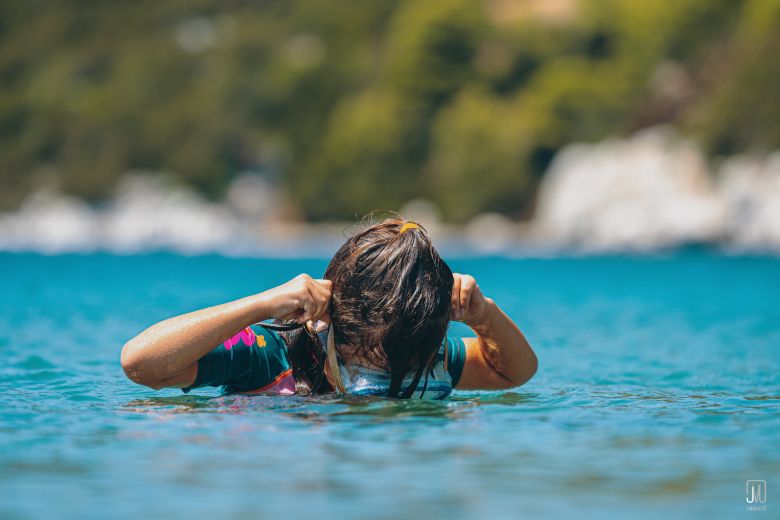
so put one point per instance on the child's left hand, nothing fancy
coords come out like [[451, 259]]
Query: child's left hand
[[468, 304]]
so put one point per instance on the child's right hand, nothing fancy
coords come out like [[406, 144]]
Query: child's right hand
[[302, 299]]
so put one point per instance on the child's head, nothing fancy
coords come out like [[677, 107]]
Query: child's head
[[391, 298], [390, 305]]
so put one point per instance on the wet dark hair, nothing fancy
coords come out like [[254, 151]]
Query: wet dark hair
[[390, 307]]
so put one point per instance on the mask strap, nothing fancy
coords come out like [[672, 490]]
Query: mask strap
[[333, 362]]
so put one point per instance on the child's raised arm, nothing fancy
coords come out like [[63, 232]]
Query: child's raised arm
[[167, 353], [500, 356]]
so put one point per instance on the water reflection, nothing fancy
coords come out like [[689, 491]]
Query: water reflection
[[569, 400], [334, 407]]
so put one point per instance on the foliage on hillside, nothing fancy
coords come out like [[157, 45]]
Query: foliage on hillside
[[353, 105]]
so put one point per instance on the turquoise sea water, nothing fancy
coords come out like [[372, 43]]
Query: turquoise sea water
[[658, 394]]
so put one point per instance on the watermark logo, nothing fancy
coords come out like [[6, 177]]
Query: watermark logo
[[755, 495]]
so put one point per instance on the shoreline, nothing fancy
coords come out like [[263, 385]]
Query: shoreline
[[648, 193]]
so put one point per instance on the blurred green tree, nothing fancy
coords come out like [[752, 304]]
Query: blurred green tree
[[352, 106]]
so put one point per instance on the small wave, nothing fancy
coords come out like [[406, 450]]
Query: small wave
[[34, 363]]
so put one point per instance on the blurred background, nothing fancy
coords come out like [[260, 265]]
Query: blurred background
[[596, 125], [588, 161]]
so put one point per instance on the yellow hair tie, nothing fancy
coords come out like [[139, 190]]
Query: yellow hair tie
[[408, 226]]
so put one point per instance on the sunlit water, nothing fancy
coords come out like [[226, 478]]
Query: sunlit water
[[658, 394]]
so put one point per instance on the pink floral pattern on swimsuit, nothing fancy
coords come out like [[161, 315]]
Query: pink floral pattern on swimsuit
[[247, 336]]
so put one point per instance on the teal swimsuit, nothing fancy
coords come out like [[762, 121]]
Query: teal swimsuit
[[255, 361]]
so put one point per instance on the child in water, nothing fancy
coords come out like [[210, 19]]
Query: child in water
[[375, 325]]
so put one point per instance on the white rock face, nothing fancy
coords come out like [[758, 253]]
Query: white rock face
[[490, 233], [148, 215], [642, 193], [254, 197], [50, 224], [750, 189], [145, 215]]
